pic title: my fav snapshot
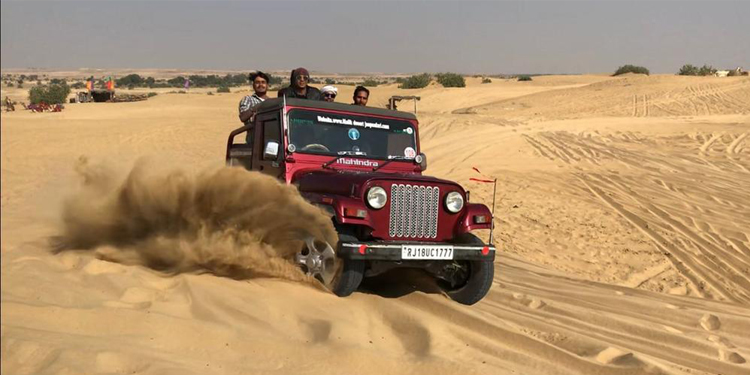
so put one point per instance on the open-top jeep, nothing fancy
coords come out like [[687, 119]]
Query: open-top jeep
[[364, 167]]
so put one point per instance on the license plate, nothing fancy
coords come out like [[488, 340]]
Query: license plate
[[426, 252]]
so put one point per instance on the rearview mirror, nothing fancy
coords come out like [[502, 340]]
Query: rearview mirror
[[421, 159], [271, 152]]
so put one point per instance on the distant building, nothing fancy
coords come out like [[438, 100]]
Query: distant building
[[721, 73]]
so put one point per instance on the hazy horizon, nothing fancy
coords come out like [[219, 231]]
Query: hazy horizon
[[503, 37]]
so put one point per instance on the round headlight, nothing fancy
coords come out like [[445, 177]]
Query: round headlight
[[454, 201], [376, 197]]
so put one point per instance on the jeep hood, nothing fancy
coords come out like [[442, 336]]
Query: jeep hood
[[347, 182]]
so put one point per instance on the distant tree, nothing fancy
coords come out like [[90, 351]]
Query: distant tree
[[688, 70], [130, 80], [451, 80], [416, 81], [58, 81], [78, 85], [50, 94], [706, 70], [486, 80], [330, 81], [370, 82], [524, 77], [631, 69]]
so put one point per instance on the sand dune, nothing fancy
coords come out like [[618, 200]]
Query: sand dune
[[622, 216]]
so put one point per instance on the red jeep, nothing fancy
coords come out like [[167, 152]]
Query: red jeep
[[364, 167]]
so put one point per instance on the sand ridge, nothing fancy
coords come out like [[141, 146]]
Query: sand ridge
[[623, 229]]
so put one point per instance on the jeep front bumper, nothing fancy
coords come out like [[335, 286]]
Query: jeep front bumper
[[420, 251]]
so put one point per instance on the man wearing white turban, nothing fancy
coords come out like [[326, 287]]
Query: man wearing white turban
[[329, 93]]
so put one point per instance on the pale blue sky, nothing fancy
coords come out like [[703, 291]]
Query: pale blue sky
[[363, 36]]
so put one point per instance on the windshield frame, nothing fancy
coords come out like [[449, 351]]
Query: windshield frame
[[413, 124]]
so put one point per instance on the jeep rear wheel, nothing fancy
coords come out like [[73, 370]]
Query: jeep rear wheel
[[318, 259]]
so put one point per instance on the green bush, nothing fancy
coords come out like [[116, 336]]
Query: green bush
[[486, 80], [451, 80], [416, 81], [151, 94], [690, 70], [706, 70], [631, 69], [223, 89], [50, 94], [524, 77], [370, 82], [210, 93], [330, 81]]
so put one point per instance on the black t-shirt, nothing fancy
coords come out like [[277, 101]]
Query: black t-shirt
[[312, 93]]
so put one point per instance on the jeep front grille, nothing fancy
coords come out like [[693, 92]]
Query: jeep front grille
[[414, 211]]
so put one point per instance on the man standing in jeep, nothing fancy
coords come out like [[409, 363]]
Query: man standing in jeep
[[259, 80], [298, 86]]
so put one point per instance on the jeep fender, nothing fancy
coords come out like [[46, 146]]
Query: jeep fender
[[467, 222], [342, 208]]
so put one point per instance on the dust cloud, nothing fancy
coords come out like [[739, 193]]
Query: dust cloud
[[226, 221]]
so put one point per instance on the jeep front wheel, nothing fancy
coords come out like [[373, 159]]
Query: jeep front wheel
[[341, 276], [467, 282], [474, 281]]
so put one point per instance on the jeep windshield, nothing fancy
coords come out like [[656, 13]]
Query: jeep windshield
[[332, 134]]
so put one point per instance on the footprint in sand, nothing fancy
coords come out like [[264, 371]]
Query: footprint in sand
[[118, 363], [726, 353], [537, 304], [135, 298], [614, 356], [99, 267], [730, 356], [710, 322]]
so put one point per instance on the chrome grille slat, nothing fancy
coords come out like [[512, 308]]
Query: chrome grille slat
[[414, 211]]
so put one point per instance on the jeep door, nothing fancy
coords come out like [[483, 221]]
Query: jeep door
[[270, 145]]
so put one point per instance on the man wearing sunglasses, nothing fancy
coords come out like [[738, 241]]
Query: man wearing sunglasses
[[298, 87], [329, 93]]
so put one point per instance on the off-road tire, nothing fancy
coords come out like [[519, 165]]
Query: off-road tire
[[351, 276], [481, 275], [480, 280], [352, 271]]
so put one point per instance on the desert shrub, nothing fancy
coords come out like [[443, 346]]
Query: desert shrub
[[524, 77], [223, 89], [486, 80], [688, 70], [733, 73], [151, 94], [370, 82], [451, 80], [330, 81], [19, 85], [631, 69], [210, 93], [416, 81], [130, 80], [50, 94], [706, 70], [78, 85], [130, 87]]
